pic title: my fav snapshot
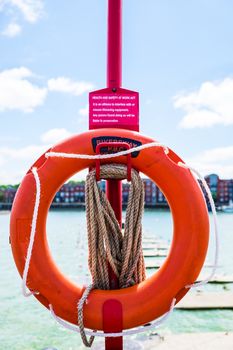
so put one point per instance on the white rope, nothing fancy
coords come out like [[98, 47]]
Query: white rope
[[32, 236], [215, 220], [106, 156], [133, 331], [163, 318]]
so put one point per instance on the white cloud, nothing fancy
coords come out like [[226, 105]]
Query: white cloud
[[31, 152], [217, 160], [216, 155], [32, 10], [10, 177], [18, 93], [211, 105], [84, 111], [17, 161], [55, 135], [12, 30], [63, 84]]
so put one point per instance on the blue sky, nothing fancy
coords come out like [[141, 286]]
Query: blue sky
[[177, 54]]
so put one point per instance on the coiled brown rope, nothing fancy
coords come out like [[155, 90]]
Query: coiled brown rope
[[106, 243]]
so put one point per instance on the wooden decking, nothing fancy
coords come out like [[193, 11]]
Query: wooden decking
[[152, 246], [188, 341], [155, 251], [155, 254], [206, 301], [157, 264]]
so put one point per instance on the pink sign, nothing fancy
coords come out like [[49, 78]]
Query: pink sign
[[118, 109]]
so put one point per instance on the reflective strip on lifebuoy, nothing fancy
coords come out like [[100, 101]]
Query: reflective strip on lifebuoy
[[141, 303]]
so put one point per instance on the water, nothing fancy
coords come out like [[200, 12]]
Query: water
[[27, 325]]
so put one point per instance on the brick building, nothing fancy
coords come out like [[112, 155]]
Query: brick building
[[7, 194], [74, 192], [71, 192], [222, 190]]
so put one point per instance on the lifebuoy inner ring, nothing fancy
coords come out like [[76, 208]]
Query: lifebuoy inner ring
[[141, 303]]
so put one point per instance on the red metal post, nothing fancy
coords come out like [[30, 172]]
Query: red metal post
[[114, 59], [114, 187], [114, 80]]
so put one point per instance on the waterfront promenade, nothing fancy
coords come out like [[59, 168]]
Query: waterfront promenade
[[72, 194], [187, 341], [182, 341]]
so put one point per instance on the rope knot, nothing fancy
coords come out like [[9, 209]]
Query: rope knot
[[107, 243]]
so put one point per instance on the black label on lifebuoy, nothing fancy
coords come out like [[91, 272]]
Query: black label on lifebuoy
[[112, 148]]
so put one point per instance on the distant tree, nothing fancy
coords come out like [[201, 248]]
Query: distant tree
[[74, 183], [1, 196], [214, 195], [16, 186]]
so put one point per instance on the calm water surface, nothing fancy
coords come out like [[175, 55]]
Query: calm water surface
[[26, 325]]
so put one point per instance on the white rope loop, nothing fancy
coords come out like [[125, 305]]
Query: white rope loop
[[163, 318], [32, 235], [106, 156], [215, 220], [87, 342], [141, 329]]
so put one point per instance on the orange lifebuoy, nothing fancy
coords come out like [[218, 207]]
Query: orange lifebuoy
[[141, 303]]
